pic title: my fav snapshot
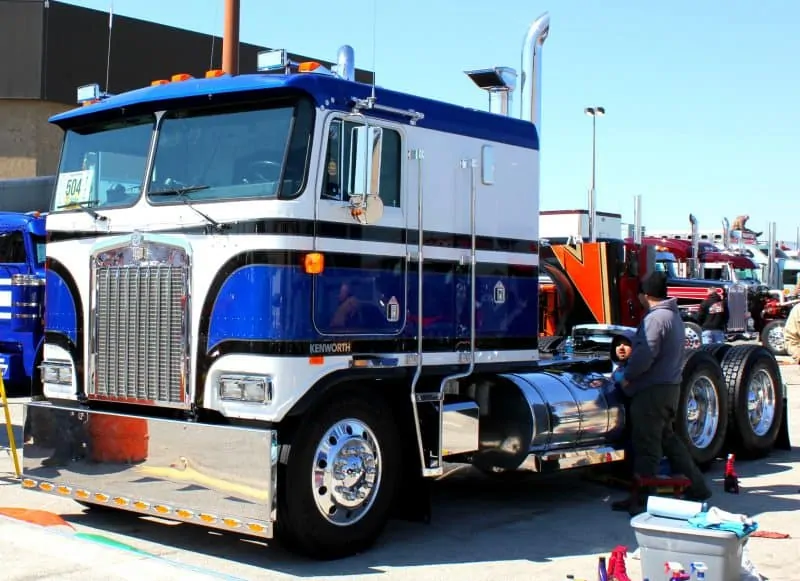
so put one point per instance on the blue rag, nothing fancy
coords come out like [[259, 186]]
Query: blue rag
[[740, 529]]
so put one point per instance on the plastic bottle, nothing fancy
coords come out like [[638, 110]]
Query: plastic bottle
[[700, 570], [602, 572], [569, 346], [731, 481]]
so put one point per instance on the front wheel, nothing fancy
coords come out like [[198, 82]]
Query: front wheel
[[336, 491], [694, 335], [772, 337]]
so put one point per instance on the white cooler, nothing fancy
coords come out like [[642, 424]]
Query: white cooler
[[665, 539]]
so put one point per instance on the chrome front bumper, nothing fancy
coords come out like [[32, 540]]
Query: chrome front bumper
[[215, 476]]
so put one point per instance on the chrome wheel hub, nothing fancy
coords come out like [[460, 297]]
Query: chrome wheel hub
[[775, 339], [761, 402], [693, 340], [702, 412], [347, 472]]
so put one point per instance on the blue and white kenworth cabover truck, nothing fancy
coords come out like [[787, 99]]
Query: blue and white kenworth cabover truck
[[285, 300]]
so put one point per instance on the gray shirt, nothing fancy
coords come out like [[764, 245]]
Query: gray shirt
[[658, 347]]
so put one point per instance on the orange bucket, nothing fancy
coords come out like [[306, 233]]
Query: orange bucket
[[118, 440]]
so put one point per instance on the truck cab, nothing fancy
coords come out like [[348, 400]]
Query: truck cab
[[691, 292], [22, 277]]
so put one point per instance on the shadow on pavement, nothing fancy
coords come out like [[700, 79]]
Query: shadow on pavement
[[16, 430], [476, 519]]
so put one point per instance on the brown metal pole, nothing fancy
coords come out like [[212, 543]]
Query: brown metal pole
[[230, 39]]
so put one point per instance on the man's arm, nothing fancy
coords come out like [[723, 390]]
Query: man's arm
[[791, 333], [702, 314], [646, 348]]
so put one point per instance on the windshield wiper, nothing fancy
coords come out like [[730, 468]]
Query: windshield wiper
[[182, 192], [179, 190], [86, 207]]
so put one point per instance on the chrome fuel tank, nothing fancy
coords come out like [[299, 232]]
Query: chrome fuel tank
[[570, 410]]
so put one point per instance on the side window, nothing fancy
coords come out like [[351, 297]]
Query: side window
[[12, 248], [338, 181]]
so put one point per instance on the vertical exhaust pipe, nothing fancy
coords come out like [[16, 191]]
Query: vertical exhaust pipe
[[726, 234], [771, 254], [637, 219], [346, 63], [695, 260], [531, 81]]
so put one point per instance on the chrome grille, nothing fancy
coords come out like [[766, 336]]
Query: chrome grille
[[140, 322], [737, 308]]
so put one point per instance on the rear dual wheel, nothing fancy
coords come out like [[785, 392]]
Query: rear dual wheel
[[703, 407], [755, 392]]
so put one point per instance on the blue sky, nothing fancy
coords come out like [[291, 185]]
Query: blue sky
[[701, 97]]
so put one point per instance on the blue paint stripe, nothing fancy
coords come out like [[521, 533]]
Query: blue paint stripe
[[274, 303]]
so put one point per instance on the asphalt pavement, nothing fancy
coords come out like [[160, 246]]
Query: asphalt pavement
[[482, 529]]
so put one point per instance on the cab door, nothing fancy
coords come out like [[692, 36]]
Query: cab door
[[361, 292]]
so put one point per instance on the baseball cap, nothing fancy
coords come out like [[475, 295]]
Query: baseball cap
[[654, 285]]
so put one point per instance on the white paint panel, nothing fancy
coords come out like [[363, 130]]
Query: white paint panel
[[5, 298]]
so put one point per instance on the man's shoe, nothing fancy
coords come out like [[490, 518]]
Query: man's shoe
[[630, 506]]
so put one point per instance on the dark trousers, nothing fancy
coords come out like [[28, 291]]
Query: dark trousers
[[653, 412]]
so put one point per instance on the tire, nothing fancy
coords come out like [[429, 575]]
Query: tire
[[753, 368], [549, 344], [772, 338], [717, 350], [694, 335], [302, 495], [703, 407]]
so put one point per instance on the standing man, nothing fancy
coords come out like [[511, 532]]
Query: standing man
[[791, 333], [652, 380], [713, 317]]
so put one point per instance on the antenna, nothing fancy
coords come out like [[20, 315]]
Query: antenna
[[213, 38], [108, 53], [374, 43]]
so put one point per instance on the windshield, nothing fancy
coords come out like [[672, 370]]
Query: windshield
[[746, 274], [103, 165], [715, 273], [232, 153], [778, 252], [39, 247], [668, 267], [12, 247]]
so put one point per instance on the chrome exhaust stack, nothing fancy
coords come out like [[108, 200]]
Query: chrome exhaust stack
[[531, 82], [726, 234], [695, 260]]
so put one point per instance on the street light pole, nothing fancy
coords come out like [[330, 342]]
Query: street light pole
[[594, 113]]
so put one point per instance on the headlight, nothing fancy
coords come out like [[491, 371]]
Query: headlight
[[56, 372], [247, 388]]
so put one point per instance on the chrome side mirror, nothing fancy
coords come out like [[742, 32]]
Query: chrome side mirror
[[366, 206]]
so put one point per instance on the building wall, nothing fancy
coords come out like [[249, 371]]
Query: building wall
[[29, 145]]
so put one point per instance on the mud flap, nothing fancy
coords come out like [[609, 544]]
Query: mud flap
[[783, 440], [415, 501]]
